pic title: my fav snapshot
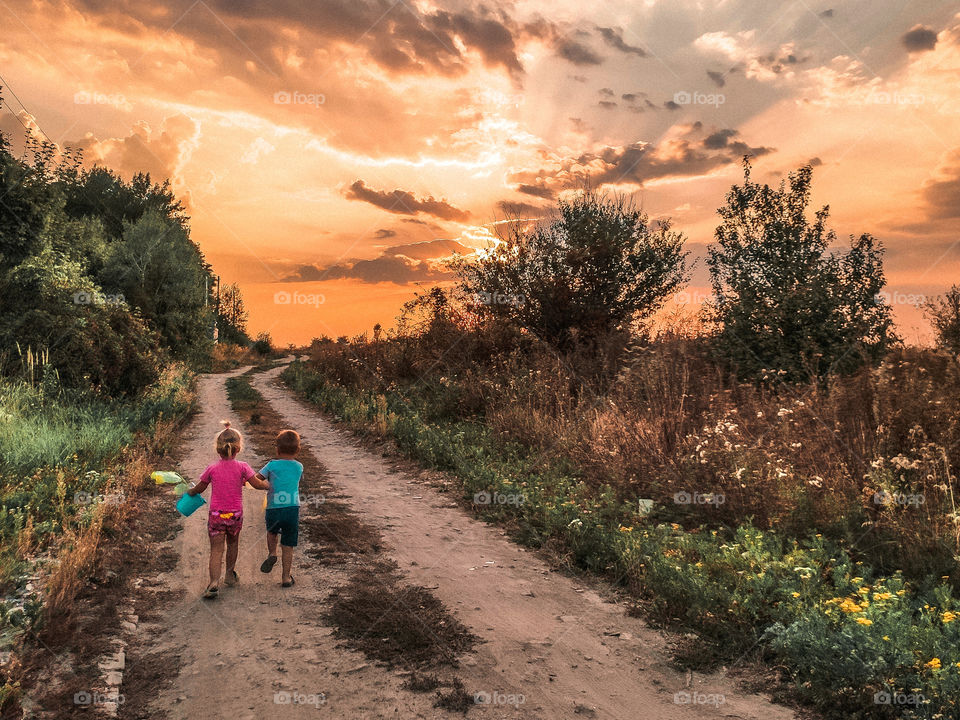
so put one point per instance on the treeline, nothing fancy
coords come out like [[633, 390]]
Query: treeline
[[99, 276]]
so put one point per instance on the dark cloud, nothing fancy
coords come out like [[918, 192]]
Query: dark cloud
[[384, 233], [536, 191], [614, 38], [719, 139], [671, 105], [828, 13], [694, 152], [815, 162], [400, 264], [919, 38], [606, 92], [579, 125], [607, 104], [577, 53], [717, 77], [404, 202], [513, 209], [941, 194], [578, 78]]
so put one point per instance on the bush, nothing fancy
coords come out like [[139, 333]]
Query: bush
[[785, 307]]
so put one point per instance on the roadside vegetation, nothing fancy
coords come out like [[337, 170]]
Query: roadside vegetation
[[777, 474], [107, 312]]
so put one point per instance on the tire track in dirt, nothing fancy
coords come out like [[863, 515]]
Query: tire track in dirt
[[561, 647]]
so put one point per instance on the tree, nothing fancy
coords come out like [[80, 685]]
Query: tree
[[782, 301], [593, 269], [233, 316], [944, 315]]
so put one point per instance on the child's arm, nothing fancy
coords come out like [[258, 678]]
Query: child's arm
[[259, 482], [198, 488]]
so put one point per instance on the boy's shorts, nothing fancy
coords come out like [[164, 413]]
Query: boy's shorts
[[285, 522], [221, 522]]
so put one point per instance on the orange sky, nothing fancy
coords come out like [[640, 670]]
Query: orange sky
[[332, 153]]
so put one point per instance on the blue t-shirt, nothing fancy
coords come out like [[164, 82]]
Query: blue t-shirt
[[284, 479]]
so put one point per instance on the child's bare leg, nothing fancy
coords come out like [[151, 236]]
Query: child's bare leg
[[286, 562], [272, 544], [233, 549], [217, 543]]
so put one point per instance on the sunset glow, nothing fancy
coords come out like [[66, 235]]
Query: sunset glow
[[337, 152]]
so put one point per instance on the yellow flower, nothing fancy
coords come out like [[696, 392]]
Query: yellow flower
[[796, 594], [864, 621], [849, 606], [901, 592], [949, 617], [857, 580], [882, 596], [887, 638], [933, 664]]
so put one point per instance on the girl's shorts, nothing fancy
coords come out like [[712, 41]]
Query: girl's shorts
[[221, 522]]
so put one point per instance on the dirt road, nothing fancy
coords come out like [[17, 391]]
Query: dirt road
[[550, 648]]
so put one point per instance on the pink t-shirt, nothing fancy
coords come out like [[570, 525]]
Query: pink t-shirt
[[226, 479]]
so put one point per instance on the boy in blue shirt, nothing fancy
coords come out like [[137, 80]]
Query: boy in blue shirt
[[283, 504]]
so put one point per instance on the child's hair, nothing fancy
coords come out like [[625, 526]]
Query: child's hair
[[229, 442], [288, 442]]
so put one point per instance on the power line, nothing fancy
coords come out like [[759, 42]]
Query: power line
[[6, 86]]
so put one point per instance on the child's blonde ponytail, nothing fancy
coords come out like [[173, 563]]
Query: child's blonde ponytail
[[229, 442]]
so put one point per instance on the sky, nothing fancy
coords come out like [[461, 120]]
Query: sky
[[333, 154]]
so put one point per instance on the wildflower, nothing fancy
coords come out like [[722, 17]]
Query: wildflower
[[795, 594], [934, 664], [864, 621], [882, 596], [887, 638], [856, 580], [949, 617], [850, 606]]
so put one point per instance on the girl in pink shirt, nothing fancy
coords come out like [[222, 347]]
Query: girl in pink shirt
[[226, 479]]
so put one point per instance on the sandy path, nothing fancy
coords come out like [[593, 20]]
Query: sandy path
[[257, 644], [545, 638]]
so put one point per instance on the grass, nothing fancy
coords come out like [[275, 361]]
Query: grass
[[844, 631]]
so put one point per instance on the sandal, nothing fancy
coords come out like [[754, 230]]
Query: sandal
[[268, 564], [289, 584], [211, 593], [231, 578]]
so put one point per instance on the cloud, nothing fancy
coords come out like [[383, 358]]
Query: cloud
[[536, 190], [941, 193], [383, 233], [161, 152], [689, 151], [403, 202], [614, 38], [607, 104], [399, 264], [919, 38], [577, 53], [717, 77], [513, 209], [755, 64]]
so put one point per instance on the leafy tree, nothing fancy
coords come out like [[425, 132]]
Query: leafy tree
[[232, 316], [782, 301], [263, 345], [944, 315], [161, 272], [593, 269]]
